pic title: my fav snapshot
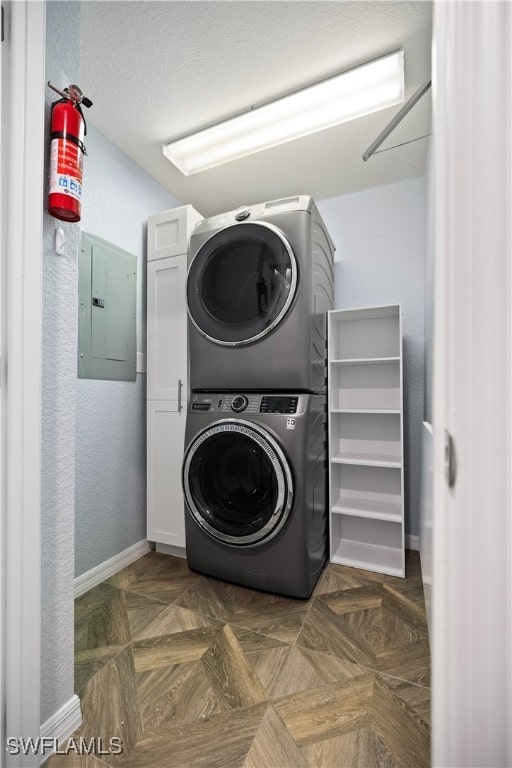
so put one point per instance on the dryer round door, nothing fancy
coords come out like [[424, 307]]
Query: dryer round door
[[237, 483], [241, 283]]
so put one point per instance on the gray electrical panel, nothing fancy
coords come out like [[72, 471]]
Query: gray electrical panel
[[107, 280]]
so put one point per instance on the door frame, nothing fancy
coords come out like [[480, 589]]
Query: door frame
[[472, 559], [22, 174]]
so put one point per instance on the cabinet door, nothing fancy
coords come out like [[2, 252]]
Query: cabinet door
[[165, 436], [169, 232], [167, 329]]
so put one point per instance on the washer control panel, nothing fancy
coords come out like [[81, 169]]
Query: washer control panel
[[246, 403], [279, 404]]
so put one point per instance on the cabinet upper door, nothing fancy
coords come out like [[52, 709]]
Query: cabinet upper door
[[169, 231], [167, 329]]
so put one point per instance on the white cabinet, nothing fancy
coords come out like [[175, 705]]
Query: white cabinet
[[166, 432], [366, 480], [167, 371]]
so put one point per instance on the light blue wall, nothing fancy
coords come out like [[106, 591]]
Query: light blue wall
[[110, 500], [380, 259], [59, 300]]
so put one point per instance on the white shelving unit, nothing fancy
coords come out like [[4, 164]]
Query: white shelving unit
[[366, 477]]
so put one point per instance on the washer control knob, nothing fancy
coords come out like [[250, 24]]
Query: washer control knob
[[242, 213], [239, 403]]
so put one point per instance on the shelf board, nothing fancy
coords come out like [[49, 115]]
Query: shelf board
[[366, 410], [367, 460], [369, 557], [365, 360], [368, 506]]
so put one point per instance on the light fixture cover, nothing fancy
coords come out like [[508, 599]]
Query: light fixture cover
[[341, 98]]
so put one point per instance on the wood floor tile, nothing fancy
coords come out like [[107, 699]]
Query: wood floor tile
[[158, 576], [141, 611], [152, 566], [253, 641], [222, 741], [176, 694], [405, 734], [339, 577], [230, 674], [392, 638], [284, 627], [273, 747], [101, 618], [409, 598], [355, 599], [277, 617], [173, 649], [411, 663], [110, 703], [326, 632], [362, 748], [284, 671], [332, 669], [193, 672], [383, 614], [174, 619], [211, 598], [280, 620], [89, 662], [166, 588], [416, 696], [327, 711]]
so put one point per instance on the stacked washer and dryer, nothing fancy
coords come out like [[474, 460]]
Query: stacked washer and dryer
[[260, 282]]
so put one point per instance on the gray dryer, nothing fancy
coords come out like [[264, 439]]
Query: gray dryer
[[259, 285]]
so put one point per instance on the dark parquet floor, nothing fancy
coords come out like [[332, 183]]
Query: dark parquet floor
[[191, 672]]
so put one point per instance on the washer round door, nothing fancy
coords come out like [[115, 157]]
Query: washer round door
[[237, 483], [241, 283]]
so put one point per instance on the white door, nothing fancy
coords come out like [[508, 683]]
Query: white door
[[472, 590], [22, 164]]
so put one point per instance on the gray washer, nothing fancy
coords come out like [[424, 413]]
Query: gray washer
[[258, 290], [255, 485]]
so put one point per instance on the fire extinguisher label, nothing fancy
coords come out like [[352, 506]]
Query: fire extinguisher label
[[66, 162]]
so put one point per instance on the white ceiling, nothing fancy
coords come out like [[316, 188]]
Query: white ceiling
[[158, 70]]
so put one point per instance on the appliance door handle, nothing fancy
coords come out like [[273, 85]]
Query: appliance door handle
[[180, 385]]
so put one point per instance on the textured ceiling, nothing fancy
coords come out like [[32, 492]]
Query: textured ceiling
[[158, 70]]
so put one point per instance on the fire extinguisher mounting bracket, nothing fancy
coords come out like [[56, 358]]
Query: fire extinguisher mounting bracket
[[73, 93]]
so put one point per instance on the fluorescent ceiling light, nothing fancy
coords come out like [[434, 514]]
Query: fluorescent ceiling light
[[339, 99]]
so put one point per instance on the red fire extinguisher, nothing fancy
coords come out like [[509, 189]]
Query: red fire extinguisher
[[67, 150]]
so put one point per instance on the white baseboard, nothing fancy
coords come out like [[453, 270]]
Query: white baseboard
[[104, 570], [62, 723], [169, 549], [412, 542]]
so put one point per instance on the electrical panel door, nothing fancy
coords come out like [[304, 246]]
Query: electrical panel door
[[107, 311]]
